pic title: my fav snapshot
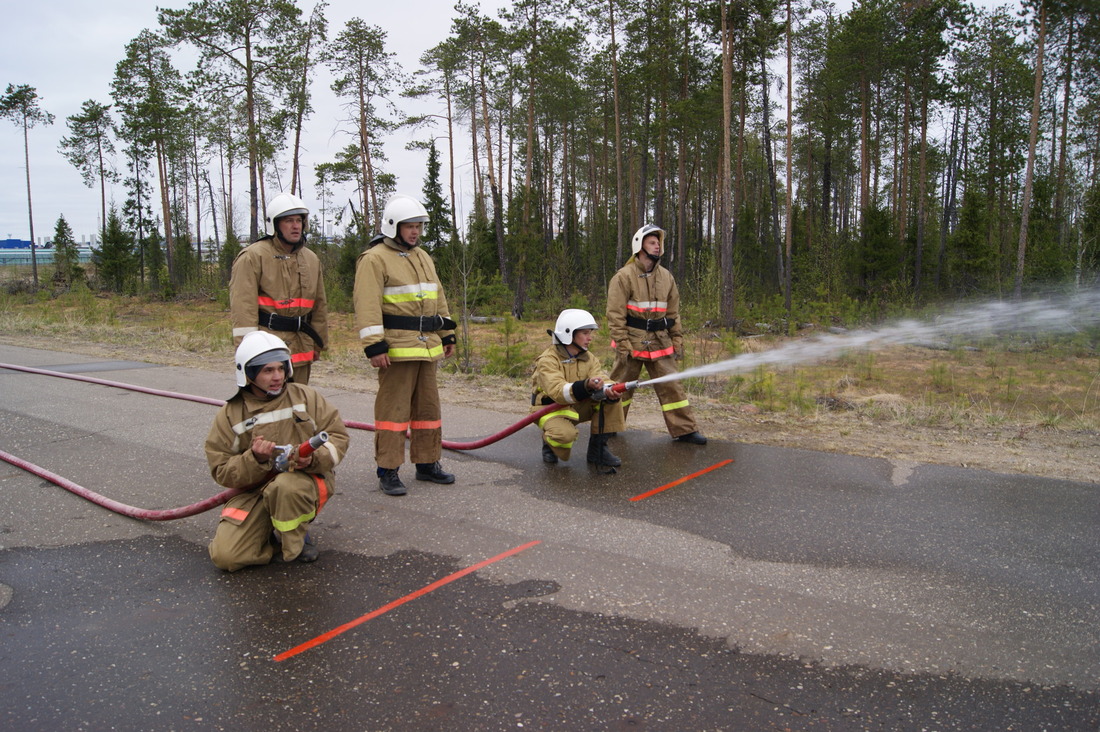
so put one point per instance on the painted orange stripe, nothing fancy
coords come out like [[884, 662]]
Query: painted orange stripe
[[293, 302], [234, 513], [678, 481], [401, 601], [391, 426], [427, 424]]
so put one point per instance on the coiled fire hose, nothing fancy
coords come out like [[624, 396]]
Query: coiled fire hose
[[220, 498]]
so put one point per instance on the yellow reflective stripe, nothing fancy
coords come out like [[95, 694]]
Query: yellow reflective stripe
[[293, 523], [674, 405], [562, 445], [416, 352], [411, 293], [567, 413], [626, 402], [410, 289]]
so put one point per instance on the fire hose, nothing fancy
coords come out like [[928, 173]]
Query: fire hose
[[220, 498]]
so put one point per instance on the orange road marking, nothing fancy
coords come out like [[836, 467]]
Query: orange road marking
[[678, 481], [401, 601]]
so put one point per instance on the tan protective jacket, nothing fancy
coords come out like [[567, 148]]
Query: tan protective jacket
[[561, 377], [393, 280], [267, 280], [648, 296], [289, 419]]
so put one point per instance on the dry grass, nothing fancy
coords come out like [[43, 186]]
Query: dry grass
[[1033, 409]]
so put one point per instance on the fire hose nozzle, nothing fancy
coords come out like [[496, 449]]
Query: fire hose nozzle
[[313, 443], [623, 386], [282, 462]]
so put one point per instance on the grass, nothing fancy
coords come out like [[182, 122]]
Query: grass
[[1049, 384]]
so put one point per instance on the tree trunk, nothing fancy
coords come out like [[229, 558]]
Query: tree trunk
[[1025, 205], [618, 141]]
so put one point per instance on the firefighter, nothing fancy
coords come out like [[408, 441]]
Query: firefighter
[[568, 375], [268, 412], [643, 313], [405, 329], [278, 286]]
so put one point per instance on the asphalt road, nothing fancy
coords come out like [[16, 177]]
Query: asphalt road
[[770, 589]]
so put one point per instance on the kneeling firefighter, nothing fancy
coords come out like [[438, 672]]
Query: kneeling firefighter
[[253, 443], [567, 374]]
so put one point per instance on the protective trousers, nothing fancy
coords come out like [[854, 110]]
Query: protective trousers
[[286, 504], [679, 417], [559, 428], [408, 399]]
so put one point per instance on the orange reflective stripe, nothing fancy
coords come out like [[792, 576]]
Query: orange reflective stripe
[[305, 357], [290, 302], [655, 354], [234, 513], [427, 424], [322, 492], [391, 426]]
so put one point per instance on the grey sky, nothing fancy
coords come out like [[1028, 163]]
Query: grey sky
[[68, 49]]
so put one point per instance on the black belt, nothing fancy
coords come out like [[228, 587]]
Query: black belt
[[545, 401], [650, 325], [285, 324], [419, 323]]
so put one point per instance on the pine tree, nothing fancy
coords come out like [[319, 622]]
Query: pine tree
[[66, 259], [114, 260], [438, 231]]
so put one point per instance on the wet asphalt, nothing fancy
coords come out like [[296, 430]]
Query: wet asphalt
[[783, 589]]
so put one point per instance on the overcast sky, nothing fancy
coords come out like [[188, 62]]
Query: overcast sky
[[68, 49]]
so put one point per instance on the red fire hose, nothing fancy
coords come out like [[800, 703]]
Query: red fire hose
[[217, 500]]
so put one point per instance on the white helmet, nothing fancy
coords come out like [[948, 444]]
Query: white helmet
[[259, 348], [284, 204], [570, 320], [401, 209], [642, 233]]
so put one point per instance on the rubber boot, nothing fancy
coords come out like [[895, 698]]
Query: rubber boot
[[599, 454], [548, 455]]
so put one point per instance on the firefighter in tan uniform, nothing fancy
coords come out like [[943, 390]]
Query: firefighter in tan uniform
[[405, 328], [643, 313], [278, 286], [568, 375], [245, 450]]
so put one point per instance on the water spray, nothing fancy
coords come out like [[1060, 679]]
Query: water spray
[[1052, 315]]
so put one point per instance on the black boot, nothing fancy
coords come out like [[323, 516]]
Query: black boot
[[390, 483], [694, 438], [599, 454], [548, 455], [433, 472]]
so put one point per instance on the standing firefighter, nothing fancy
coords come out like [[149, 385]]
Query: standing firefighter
[[567, 374], [253, 443], [278, 286], [643, 313], [405, 328]]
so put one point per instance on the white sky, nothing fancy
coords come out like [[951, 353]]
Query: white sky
[[68, 49]]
